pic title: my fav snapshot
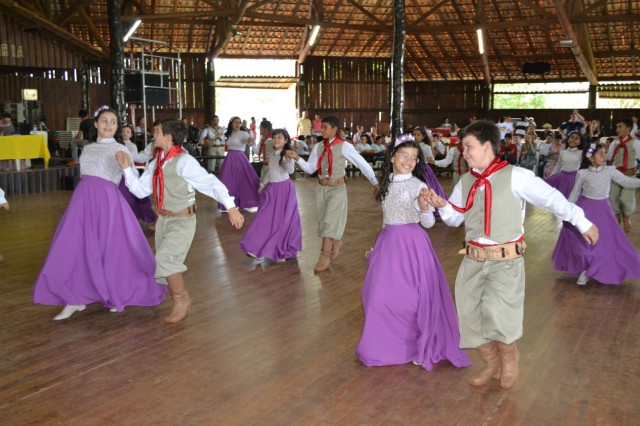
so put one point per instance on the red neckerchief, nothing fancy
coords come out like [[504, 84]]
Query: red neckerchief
[[482, 179], [460, 158], [625, 154], [263, 149], [327, 148], [158, 178]]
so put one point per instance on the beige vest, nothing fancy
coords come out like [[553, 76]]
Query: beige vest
[[178, 194], [339, 162], [618, 160], [506, 211]]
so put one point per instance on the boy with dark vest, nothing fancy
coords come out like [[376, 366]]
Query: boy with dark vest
[[329, 159], [173, 176], [490, 283], [622, 155]]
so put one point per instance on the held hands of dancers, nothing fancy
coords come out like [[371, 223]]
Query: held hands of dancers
[[423, 200], [292, 154], [433, 198], [591, 235], [235, 217]]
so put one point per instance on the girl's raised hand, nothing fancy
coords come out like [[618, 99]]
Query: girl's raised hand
[[423, 201], [123, 159]]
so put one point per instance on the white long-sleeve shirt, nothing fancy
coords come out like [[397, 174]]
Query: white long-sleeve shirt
[[188, 169], [349, 152], [142, 156], [3, 200], [527, 187], [212, 133]]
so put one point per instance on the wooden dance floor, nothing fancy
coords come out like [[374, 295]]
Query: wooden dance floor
[[274, 344]]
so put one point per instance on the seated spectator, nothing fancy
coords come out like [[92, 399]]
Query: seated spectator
[[544, 151], [301, 146], [6, 125], [439, 148], [365, 146], [82, 137], [53, 143], [380, 145], [528, 158], [509, 150], [575, 124], [445, 124]]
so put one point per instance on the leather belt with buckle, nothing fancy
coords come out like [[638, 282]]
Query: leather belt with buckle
[[189, 211], [506, 251]]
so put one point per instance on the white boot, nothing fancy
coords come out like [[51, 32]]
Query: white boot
[[68, 311], [582, 279]]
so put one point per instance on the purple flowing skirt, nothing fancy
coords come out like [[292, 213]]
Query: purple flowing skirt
[[432, 181], [141, 207], [563, 182], [98, 253], [276, 232], [241, 180], [612, 260], [408, 309]]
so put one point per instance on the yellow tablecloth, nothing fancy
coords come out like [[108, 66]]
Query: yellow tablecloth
[[24, 147]]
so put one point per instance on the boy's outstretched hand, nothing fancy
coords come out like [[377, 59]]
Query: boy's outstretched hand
[[434, 199], [236, 218], [591, 235], [123, 159], [4, 206]]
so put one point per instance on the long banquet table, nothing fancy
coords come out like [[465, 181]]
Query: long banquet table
[[22, 147]]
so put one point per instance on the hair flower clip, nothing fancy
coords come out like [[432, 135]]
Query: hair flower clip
[[591, 150], [403, 139], [99, 110]]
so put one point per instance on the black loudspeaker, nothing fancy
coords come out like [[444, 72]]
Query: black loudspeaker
[[536, 67], [155, 96]]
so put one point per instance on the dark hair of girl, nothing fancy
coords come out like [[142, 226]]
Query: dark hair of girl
[[586, 162], [227, 132], [423, 132], [387, 168], [287, 143], [133, 134]]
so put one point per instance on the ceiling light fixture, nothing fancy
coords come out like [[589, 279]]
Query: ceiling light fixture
[[566, 42], [480, 41], [133, 29], [314, 34]]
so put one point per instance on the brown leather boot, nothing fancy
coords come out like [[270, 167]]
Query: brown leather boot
[[510, 360], [489, 355], [336, 245], [325, 256], [181, 299], [626, 224]]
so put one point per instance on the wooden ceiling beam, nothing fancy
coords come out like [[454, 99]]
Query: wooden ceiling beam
[[367, 13], [424, 16], [532, 5], [94, 32], [10, 7], [587, 68], [228, 24], [72, 10], [593, 7]]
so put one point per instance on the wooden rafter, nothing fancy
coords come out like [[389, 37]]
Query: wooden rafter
[[578, 44], [593, 7], [65, 37], [424, 16], [94, 32], [72, 10], [446, 55], [533, 5], [367, 13]]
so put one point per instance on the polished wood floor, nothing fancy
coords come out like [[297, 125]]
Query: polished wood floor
[[274, 344]]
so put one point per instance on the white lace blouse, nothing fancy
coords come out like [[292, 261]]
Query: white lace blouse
[[569, 161], [277, 173], [99, 159], [400, 205], [595, 183]]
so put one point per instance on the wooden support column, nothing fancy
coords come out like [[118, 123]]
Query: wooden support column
[[116, 46], [397, 69], [592, 99], [210, 93], [84, 80]]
